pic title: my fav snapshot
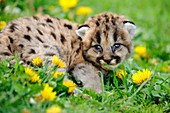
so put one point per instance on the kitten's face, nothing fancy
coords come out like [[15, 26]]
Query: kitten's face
[[107, 42]]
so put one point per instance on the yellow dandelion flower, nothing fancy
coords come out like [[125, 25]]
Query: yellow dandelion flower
[[136, 57], [121, 73], [67, 4], [84, 10], [54, 109], [37, 61], [58, 62], [140, 76], [70, 84], [166, 69], [2, 24], [29, 71], [141, 50], [47, 93], [58, 74], [34, 77]]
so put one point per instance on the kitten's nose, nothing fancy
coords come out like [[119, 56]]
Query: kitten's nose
[[107, 60]]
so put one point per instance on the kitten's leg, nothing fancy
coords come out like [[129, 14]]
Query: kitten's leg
[[88, 75]]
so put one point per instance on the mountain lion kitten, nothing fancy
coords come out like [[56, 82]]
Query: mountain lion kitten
[[100, 44]]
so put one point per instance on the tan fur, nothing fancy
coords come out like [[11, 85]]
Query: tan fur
[[46, 36]]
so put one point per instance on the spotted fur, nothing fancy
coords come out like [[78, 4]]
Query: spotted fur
[[103, 39]]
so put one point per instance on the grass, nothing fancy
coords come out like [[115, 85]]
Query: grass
[[152, 96]]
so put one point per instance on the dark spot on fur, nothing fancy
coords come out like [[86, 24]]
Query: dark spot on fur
[[6, 53], [9, 47], [78, 50], [80, 38], [13, 27], [62, 39], [39, 32], [107, 27], [28, 62], [49, 20], [98, 37], [68, 26], [35, 17], [21, 55], [21, 45], [52, 27], [107, 19], [83, 26], [45, 46], [49, 54], [32, 51], [104, 32], [97, 23], [43, 24], [113, 22], [57, 18], [11, 39], [54, 36], [115, 36], [38, 38], [27, 37], [28, 28]]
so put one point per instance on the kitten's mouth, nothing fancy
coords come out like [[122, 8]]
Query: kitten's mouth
[[109, 66]]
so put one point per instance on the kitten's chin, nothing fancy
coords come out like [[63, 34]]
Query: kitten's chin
[[106, 66]]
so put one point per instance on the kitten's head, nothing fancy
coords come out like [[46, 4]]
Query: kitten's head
[[107, 39]]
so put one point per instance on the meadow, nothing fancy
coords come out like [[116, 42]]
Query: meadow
[[140, 85]]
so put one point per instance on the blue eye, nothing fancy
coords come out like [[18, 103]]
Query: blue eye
[[115, 46], [98, 48]]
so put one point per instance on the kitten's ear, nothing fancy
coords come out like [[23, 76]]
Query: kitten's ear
[[81, 31], [130, 27]]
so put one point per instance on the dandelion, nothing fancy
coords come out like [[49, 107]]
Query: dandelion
[[70, 84], [34, 77], [37, 61], [166, 69], [47, 93], [83, 10], [58, 62], [29, 71], [2, 24], [141, 76], [54, 109], [121, 73], [67, 4], [141, 51], [58, 74], [136, 57]]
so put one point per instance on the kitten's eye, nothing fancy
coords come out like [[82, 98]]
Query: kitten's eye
[[98, 48], [115, 46]]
